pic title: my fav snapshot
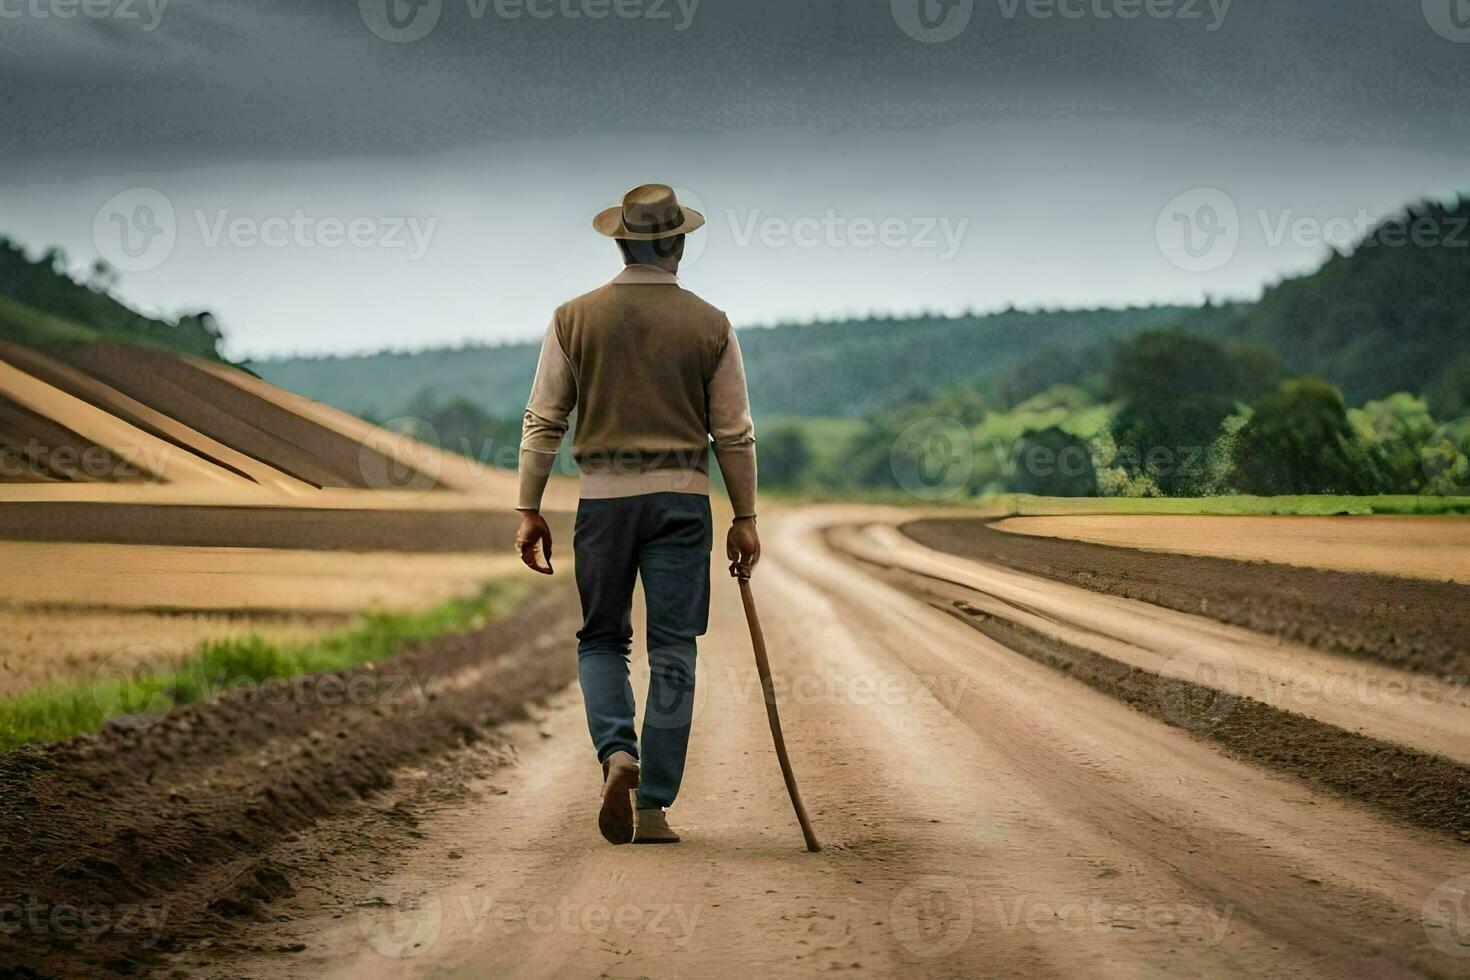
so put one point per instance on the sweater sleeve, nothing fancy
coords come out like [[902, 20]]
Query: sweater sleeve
[[553, 397], [731, 427]]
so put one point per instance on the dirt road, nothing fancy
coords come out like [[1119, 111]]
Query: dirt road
[[983, 814]]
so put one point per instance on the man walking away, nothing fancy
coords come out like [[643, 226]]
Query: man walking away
[[654, 374]]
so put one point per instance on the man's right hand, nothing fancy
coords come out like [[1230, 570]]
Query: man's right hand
[[743, 547], [534, 531]]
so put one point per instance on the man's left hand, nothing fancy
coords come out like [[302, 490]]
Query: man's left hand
[[743, 547]]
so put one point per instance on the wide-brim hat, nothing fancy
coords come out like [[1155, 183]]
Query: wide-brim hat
[[647, 214]]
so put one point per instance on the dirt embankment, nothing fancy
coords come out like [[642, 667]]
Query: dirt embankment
[[1410, 624], [230, 415], [119, 846], [36, 449], [1425, 790]]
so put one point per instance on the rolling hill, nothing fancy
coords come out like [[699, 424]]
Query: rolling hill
[[42, 305], [1389, 316]]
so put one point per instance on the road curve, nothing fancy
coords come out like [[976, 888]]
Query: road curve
[[982, 814]]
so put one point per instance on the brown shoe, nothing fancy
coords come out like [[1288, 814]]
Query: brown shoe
[[653, 828], [619, 783]]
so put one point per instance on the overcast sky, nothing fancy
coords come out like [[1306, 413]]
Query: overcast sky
[[334, 175]]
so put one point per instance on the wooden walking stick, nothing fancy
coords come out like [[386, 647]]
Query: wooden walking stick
[[763, 667]]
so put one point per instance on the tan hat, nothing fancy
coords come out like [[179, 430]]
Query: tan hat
[[647, 214]]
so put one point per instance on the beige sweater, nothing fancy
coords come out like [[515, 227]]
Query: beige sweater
[[654, 375]]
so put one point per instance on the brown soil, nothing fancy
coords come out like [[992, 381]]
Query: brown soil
[[39, 447], [1414, 625], [78, 384], [1425, 790], [171, 820], [231, 415], [260, 527], [1435, 547]]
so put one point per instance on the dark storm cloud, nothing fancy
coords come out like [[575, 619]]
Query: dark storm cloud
[[201, 81]]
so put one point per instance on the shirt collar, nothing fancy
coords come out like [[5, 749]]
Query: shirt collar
[[645, 274]]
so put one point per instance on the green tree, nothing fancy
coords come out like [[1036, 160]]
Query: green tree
[[1176, 389], [1299, 441], [1446, 459], [1392, 432], [1052, 462], [1451, 395], [1387, 316], [784, 456]]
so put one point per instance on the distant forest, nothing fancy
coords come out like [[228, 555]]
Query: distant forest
[[835, 368]]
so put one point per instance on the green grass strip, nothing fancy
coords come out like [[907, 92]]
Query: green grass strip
[[51, 712]]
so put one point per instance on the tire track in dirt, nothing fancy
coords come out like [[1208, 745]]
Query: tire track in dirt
[[1409, 624], [1426, 790], [1422, 787]]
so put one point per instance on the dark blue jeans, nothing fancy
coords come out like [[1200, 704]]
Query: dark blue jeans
[[665, 538]]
